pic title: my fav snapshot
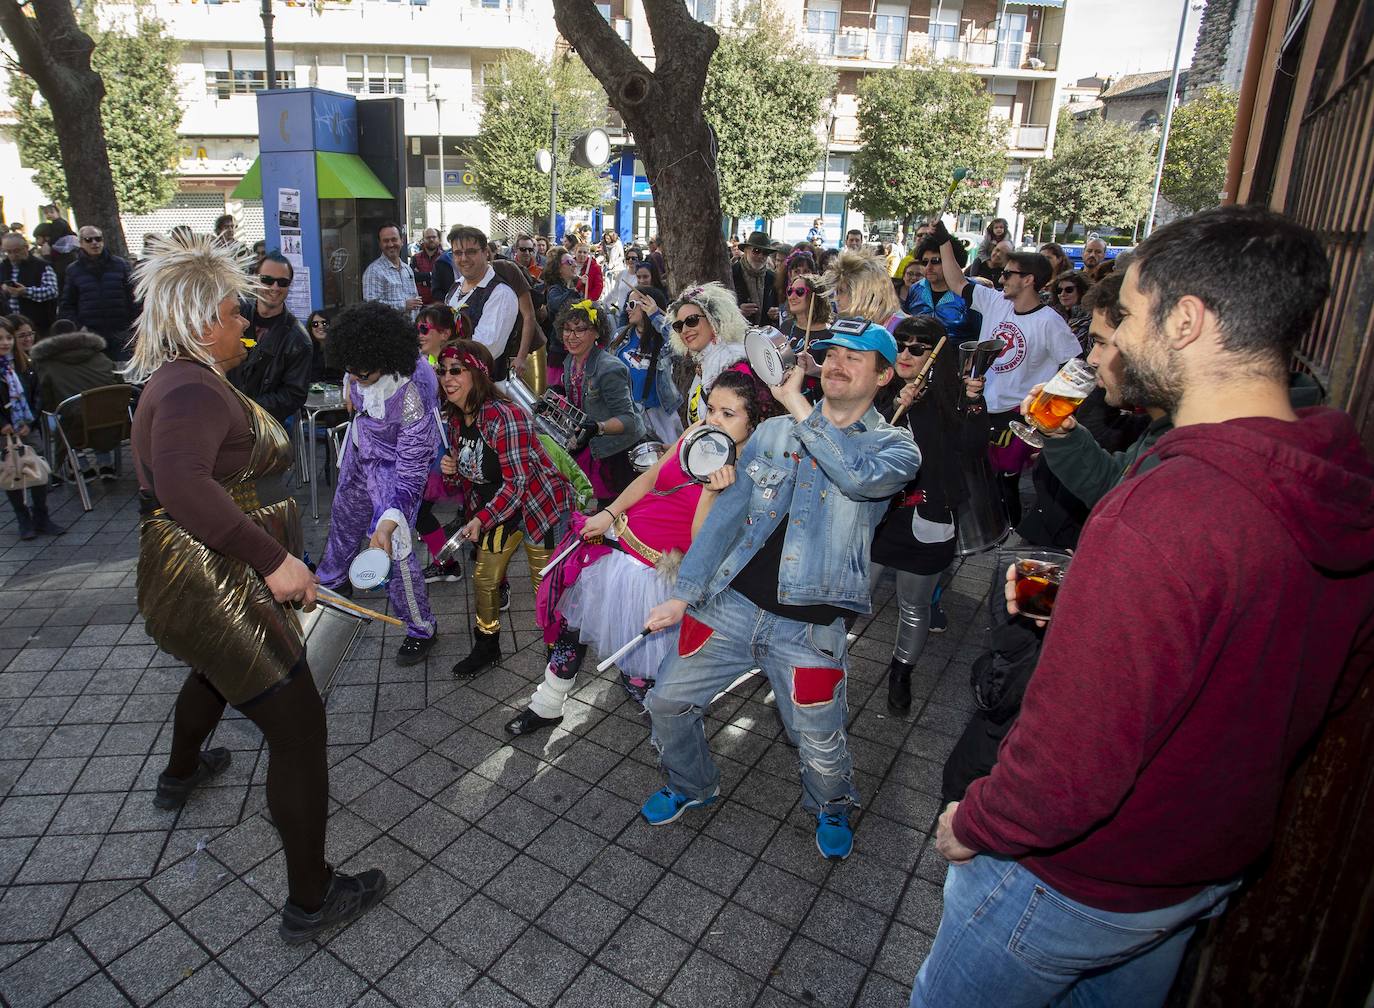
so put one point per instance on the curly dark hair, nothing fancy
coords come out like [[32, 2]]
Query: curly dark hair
[[572, 313], [369, 337], [743, 386]]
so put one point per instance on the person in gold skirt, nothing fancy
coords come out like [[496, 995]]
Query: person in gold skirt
[[219, 567]]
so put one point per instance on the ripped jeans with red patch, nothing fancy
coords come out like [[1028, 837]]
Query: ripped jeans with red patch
[[720, 641]]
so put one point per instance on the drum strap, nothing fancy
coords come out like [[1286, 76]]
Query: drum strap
[[636, 545], [249, 495]]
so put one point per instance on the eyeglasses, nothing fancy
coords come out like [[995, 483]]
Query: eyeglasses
[[571, 330], [444, 372], [801, 290], [931, 262], [690, 322], [319, 324], [96, 240], [268, 281], [915, 349]]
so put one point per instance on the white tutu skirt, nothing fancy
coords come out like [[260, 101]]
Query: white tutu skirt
[[608, 604]]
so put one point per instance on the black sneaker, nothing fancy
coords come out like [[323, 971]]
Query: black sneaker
[[108, 474], [349, 896], [172, 792], [505, 596], [939, 622], [414, 649], [451, 571]]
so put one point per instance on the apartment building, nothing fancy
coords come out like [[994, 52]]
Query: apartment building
[[434, 54]]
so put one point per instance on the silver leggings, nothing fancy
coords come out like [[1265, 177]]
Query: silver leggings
[[913, 610]]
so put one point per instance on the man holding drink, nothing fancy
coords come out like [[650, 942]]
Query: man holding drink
[[1130, 796]]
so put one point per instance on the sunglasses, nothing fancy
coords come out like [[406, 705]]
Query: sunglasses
[[915, 349], [801, 290], [930, 262], [93, 241], [361, 375], [525, 248], [282, 282], [1011, 273], [446, 372], [426, 328], [1068, 290], [319, 324], [690, 322]]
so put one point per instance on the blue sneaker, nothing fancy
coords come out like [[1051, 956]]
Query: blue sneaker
[[834, 837], [666, 805]]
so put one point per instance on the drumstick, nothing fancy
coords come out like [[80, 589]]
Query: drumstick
[[623, 649], [334, 600], [924, 371], [806, 332], [443, 434]]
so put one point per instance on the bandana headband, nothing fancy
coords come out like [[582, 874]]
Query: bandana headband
[[468, 360], [589, 308]]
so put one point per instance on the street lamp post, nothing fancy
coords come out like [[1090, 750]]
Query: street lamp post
[[553, 176], [1168, 117], [269, 48], [439, 124]]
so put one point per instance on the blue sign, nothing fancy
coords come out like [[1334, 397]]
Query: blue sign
[[642, 191], [302, 119]]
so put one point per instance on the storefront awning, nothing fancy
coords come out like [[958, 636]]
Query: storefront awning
[[1036, 3], [337, 176]]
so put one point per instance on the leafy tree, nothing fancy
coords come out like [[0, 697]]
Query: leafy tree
[[917, 123], [763, 94], [1101, 174], [662, 107], [1199, 144], [140, 114], [517, 114]]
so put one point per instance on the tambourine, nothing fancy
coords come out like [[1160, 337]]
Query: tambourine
[[370, 570], [704, 450], [645, 454], [770, 354]]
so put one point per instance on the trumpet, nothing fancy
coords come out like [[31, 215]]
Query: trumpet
[[553, 415], [921, 380]]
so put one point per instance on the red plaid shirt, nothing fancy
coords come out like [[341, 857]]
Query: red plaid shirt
[[530, 483]]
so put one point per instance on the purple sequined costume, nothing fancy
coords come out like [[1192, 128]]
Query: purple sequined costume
[[386, 465]]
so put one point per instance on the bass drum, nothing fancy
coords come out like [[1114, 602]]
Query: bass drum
[[705, 450]]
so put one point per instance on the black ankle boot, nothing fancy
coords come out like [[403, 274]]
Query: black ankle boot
[[899, 688], [486, 651]]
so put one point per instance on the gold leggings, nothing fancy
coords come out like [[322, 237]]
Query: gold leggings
[[494, 550], [537, 371]]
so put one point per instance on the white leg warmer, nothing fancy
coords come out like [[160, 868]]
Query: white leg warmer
[[550, 695]]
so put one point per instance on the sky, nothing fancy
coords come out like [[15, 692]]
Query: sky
[[1116, 37]]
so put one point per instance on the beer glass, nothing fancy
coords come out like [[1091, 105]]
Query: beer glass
[[1038, 576], [1054, 403]]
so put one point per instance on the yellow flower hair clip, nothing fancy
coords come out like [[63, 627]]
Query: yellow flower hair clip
[[589, 308]]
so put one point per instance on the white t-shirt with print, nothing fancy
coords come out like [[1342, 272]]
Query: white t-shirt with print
[[1037, 343]]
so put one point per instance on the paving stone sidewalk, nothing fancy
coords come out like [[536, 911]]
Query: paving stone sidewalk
[[521, 874]]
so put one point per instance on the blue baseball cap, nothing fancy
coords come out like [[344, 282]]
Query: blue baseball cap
[[871, 337]]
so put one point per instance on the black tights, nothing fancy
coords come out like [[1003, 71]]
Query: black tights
[[291, 718], [39, 494], [425, 522]]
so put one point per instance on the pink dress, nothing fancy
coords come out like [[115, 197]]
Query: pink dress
[[613, 594]]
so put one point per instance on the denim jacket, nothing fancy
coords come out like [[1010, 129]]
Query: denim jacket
[[834, 487], [606, 396], [627, 344]]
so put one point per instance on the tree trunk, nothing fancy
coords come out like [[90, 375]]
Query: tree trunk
[[56, 53], [663, 110]]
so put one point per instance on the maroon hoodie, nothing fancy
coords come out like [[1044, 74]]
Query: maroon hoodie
[[1203, 633]]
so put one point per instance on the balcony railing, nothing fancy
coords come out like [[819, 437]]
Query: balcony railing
[[1027, 137], [858, 43], [883, 47], [1004, 55]]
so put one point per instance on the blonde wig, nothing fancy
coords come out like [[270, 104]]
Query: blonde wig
[[718, 304], [864, 276], [181, 283]]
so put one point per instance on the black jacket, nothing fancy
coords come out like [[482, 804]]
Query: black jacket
[[29, 273], [69, 364], [276, 372], [99, 296], [742, 295]]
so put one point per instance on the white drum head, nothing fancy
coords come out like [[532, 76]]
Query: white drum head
[[705, 450], [370, 570], [763, 348]]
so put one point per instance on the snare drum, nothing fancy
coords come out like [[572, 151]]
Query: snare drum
[[370, 570], [645, 454], [770, 354], [704, 450]]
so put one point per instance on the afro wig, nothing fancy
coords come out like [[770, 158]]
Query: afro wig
[[371, 337], [718, 305]]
